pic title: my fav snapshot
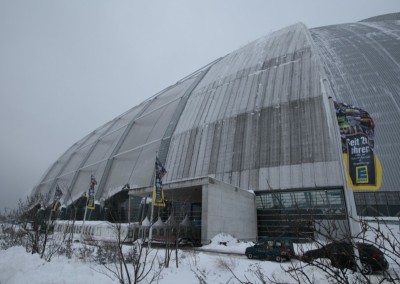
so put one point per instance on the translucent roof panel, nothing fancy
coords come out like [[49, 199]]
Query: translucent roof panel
[[64, 183], [126, 118], [93, 136], [149, 127], [56, 168], [171, 94], [82, 180], [121, 172], [104, 147], [44, 188], [144, 170], [76, 160]]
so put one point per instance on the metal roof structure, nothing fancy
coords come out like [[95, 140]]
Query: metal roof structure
[[258, 118]]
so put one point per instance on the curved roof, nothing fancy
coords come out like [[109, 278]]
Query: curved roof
[[386, 17], [258, 118]]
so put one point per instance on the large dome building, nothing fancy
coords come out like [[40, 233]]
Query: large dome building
[[250, 142]]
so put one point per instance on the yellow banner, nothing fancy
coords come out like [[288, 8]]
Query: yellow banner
[[158, 197], [377, 173]]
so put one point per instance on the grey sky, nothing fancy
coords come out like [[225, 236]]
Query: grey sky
[[67, 67]]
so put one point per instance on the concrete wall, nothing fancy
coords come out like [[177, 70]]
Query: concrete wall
[[228, 209]]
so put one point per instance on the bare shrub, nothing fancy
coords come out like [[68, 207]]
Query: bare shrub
[[11, 235], [192, 257], [133, 265], [85, 253], [226, 264], [200, 275]]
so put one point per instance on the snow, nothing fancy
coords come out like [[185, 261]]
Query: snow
[[209, 262], [17, 266], [226, 243]]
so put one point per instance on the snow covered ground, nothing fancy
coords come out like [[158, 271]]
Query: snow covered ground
[[17, 266]]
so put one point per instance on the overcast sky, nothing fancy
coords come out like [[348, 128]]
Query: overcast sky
[[67, 67]]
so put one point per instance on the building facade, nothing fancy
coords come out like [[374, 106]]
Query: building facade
[[259, 123]]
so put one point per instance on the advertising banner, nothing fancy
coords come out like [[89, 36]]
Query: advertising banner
[[357, 131], [57, 196], [90, 198], [158, 194]]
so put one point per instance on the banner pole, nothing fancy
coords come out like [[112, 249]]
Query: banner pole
[[49, 221], [152, 205], [129, 210], [151, 224], [84, 216]]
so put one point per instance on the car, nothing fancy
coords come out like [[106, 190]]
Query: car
[[341, 255], [277, 249]]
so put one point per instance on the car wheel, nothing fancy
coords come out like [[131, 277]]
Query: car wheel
[[366, 269], [278, 258], [250, 256]]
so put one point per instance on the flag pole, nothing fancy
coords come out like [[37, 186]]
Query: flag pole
[[48, 222], [151, 224], [129, 210], [84, 216], [152, 206], [90, 197], [51, 213], [57, 196]]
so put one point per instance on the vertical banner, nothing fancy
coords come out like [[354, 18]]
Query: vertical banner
[[158, 194], [90, 198], [57, 196], [357, 131]]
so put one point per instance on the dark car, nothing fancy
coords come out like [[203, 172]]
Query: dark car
[[341, 255], [271, 248]]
